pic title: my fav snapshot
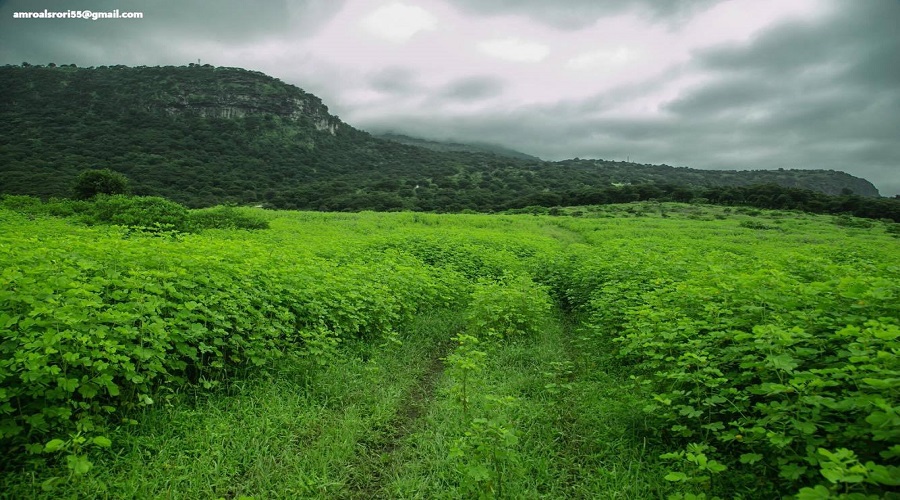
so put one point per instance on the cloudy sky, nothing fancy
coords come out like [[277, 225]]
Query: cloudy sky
[[724, 84]]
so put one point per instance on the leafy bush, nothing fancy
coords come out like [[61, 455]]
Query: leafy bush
[[91, 324], [147, 213], [508, 308], [53, 207], [473, 260], [767, 371], [91, 183], [226, 217], [69, 208], [21, 204], [144, 213]]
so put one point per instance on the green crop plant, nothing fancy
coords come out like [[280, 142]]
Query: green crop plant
[[765, 361], [94, 323], [694, 467], [487, 450], [508, 308], [463, 364], [559, 378]]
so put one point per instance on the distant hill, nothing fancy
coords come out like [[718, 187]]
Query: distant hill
[[455, 146], [824, 181], [204, 135]]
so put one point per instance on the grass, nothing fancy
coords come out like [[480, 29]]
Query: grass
[[385, 422], [297, 431], [577, 438]]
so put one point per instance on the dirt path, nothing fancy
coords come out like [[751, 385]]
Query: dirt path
[[377, 457]]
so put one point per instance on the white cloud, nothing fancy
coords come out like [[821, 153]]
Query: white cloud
[[605, 58], [398, 22], [515, 49]]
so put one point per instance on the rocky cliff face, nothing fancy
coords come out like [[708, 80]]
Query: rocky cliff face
[[234, 93], [204, 91], [241, 106]]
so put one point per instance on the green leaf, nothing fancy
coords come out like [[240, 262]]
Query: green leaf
[[79, 464], [889, 383], [102, 441], [478, 472], [750, 458], [893, 451], [68, 384], [88, 390], [54, 445], [819, 492], [780, 440], [782, 362], [715, 466], [792, 471], [112, 388], [884, 475], [50, 484], [676, 476], [715, 426], [833, 475], [804, 427], [6, 321], [34, 449]]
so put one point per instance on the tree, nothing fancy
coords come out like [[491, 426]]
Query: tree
[[90, 183]]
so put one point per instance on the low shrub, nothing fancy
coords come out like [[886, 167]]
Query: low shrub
[[146, 213], [509, 307], [227, 217]]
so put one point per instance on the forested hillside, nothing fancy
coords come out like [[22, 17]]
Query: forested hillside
[[203, 135], [455, 146]]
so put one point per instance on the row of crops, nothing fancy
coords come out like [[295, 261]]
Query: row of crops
[[99, 321], [767, 357], [769, 365]]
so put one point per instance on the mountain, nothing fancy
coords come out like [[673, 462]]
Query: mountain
[[454, 146], [204, 135]]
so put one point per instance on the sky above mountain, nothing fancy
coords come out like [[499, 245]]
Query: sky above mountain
[[724, 84]]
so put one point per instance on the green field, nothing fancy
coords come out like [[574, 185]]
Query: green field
[[626, 351]]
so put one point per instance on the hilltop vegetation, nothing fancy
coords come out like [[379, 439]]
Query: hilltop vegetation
[[455, 146], [203, 135], [638, 350]]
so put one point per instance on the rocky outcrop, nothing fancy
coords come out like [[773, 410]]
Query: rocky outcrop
[[240, 93], [204, 91]]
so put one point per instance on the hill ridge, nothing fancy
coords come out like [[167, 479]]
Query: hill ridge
[[205, 135]]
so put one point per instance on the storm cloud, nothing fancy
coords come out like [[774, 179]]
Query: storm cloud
[[738, 84], [474, 88], [169, 31], [577, 14], [394, 80]]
